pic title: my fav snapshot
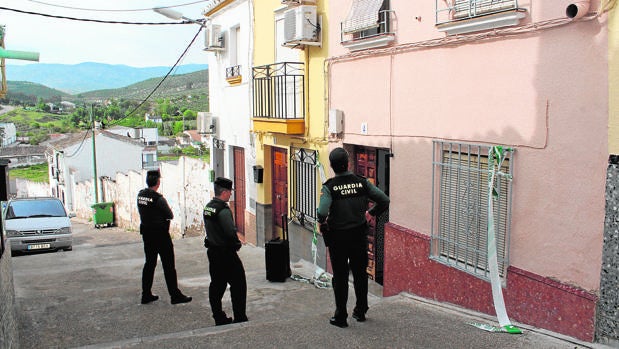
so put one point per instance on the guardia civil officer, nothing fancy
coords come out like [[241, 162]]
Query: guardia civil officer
[[155, 217], [343, 216], [225, 266]]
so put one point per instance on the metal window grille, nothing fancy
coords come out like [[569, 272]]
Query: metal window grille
[[453, 10], [303, 176], [460, 208]]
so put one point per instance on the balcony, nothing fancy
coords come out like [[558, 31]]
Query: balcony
[[465, 16], [233, 75], [380, 35], [279, 98]]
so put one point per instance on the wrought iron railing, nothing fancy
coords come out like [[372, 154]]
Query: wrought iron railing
[[279, 90], [384, 27], [232, 72], [454, 10]]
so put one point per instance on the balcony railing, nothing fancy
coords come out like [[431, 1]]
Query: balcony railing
[[232, 72], [279, 91], [455, 10], [383, 28]]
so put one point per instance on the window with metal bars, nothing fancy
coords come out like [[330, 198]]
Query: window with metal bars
[[460, 208], [304, 189]]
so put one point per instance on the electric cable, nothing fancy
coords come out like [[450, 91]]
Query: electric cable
[[80, 146], [91, 20], [105, 10], [168, 74]]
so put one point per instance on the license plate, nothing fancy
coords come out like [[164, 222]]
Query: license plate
[[38, 246]]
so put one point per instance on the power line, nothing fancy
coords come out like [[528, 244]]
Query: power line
[[168, 74], [80, 146], [105, 10], [91, 20]]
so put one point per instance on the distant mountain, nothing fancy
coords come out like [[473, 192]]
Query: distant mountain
[[89, 76], [188, 90]]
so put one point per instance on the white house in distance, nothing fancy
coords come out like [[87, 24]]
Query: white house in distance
[[71, 160], [8, 132], [229, 43], [153, 118], [150, 136]]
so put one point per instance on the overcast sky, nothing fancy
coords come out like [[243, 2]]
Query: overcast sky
[[70, 42]]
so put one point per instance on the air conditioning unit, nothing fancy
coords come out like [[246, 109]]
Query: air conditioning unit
[[214, 38], [301, 24], [206, 123]]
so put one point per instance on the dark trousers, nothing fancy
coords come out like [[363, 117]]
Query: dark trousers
[[225, 268], [349, 252], [159, 244]]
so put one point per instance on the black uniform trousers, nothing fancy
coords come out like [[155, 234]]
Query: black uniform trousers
[[159, 243], [348, 250], [225, 267]]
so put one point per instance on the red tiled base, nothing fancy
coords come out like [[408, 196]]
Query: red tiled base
[[530, 299]]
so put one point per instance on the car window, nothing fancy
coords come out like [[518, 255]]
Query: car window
[[35, 208]]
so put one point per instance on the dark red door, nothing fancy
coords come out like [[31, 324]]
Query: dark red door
[[373, 164], [279, 187], [239, 191]]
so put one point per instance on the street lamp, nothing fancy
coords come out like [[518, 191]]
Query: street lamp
[[177, 16]]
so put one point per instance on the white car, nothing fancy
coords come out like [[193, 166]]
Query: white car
[[37, 224]]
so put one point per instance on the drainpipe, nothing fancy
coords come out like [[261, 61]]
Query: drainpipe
[[577, 9]]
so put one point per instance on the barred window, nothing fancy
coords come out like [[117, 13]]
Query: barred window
[[304, 188], [460, 208]]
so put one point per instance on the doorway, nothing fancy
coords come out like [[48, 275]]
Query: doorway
[[239, 191], [373, 163], [279, 188]]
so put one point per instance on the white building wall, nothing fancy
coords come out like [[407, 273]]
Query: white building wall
[[229, 103]]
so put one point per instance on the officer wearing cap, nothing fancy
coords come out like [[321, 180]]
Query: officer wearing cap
[[343, 217], [225, 266], [155, 217]]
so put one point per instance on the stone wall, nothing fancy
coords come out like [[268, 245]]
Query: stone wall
[[185, 185], [26, 188], [607, 318], [8, 320]]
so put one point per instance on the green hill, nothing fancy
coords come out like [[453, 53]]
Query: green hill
[[30, 91], [188, 90], [184, 90]]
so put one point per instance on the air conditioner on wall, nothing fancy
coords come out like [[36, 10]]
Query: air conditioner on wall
[[214, 38], [206, 124], [301, 24]]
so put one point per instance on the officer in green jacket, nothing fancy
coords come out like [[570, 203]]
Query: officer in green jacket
[[225, 266], [343, 216]]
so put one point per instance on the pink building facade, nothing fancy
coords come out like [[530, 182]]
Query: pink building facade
[[422, 97]]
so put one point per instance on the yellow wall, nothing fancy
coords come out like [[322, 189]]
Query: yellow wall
[[316, 135], [613, 82]]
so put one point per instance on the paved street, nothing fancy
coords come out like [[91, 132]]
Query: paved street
[[89, 297]]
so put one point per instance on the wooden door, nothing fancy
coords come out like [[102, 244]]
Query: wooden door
[[373, 164], [279, 187], [239, 191]]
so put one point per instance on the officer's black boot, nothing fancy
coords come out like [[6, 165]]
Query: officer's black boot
[[222, 319]]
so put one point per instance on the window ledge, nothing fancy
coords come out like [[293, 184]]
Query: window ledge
[[503, 19], [371, 42]]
